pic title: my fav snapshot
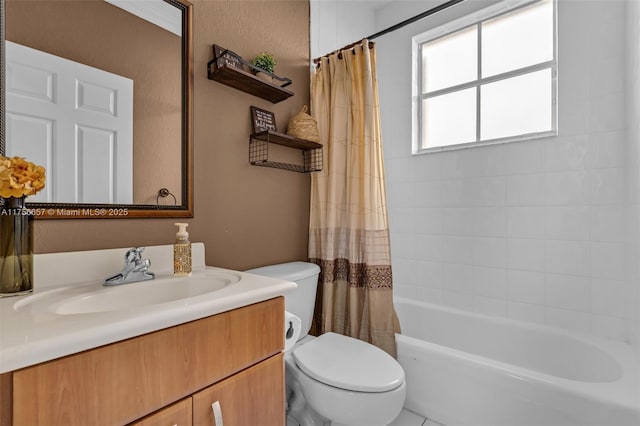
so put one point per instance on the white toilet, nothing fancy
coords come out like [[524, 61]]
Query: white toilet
[[334, 380]]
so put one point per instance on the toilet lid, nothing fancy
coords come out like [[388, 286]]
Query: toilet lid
[[349, 363]]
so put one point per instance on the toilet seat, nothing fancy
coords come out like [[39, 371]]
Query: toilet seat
[[348, 363]]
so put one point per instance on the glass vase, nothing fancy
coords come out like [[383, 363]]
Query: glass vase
[[16, 247]]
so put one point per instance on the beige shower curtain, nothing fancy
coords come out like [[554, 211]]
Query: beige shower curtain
[[349, 230]]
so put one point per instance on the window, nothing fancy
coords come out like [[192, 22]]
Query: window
[[486, 78]]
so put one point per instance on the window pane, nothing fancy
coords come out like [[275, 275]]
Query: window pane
[[516, 106], [449, 119], [450, 60], [518, 39]]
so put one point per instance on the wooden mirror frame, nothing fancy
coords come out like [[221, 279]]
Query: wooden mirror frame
[[123, 211]]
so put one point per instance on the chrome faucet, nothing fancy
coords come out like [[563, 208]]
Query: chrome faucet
[[135, 269]]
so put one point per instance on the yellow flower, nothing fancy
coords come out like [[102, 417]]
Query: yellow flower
[[19, 177]]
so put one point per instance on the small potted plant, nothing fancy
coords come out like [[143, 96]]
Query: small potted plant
[[265, 61]]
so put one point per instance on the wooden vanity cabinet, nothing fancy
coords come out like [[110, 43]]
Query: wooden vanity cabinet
[[251, 397], [178, 414], [171, 375]]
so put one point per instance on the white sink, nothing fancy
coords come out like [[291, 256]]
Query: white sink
[[71, 311], [97, 298]]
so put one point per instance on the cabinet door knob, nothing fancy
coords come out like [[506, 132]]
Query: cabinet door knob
[[217, 414]]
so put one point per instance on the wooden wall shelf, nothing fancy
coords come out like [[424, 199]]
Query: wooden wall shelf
[[259, 151], [249, 83], [285, 140]]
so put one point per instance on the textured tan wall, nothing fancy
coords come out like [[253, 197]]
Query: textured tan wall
[[247, 216]]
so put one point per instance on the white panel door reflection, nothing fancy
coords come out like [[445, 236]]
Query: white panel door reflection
[[76, 121]]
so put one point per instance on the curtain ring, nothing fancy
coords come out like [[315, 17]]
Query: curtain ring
[[164, 192]]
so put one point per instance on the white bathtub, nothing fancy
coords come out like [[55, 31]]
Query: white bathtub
[[469, 369]]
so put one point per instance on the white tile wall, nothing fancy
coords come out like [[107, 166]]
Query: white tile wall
[[632, 157], [567, 223], [490, 282], [608, 223], [567, 292], [526, 221], [526, 286], [526, 190], [605, 150], [534, 230], [526, 255], [489, 221]]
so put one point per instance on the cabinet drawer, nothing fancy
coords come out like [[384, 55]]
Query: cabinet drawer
[[122, 382], [255, 396], [178, 414]]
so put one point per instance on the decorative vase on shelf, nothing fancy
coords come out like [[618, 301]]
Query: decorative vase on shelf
[[16, 247]]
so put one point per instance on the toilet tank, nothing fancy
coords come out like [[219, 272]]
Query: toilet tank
[[301, 301]]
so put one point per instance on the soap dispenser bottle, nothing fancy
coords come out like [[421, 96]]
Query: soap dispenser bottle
[[182, 252]]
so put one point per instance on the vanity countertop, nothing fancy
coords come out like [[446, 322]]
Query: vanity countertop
[[32, 332]]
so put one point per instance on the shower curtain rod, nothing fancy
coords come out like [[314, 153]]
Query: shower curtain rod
[[415, 18], [397, 26], [339, 51]]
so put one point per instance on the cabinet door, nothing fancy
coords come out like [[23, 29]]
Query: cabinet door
[[178, 414], [255, 396]]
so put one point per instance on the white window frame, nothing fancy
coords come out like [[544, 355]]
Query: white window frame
[[467, 21]]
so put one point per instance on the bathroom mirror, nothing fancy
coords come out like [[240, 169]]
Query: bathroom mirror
[[100, 93]]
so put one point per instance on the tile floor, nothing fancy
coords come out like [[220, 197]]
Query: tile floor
[[407, 418]]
